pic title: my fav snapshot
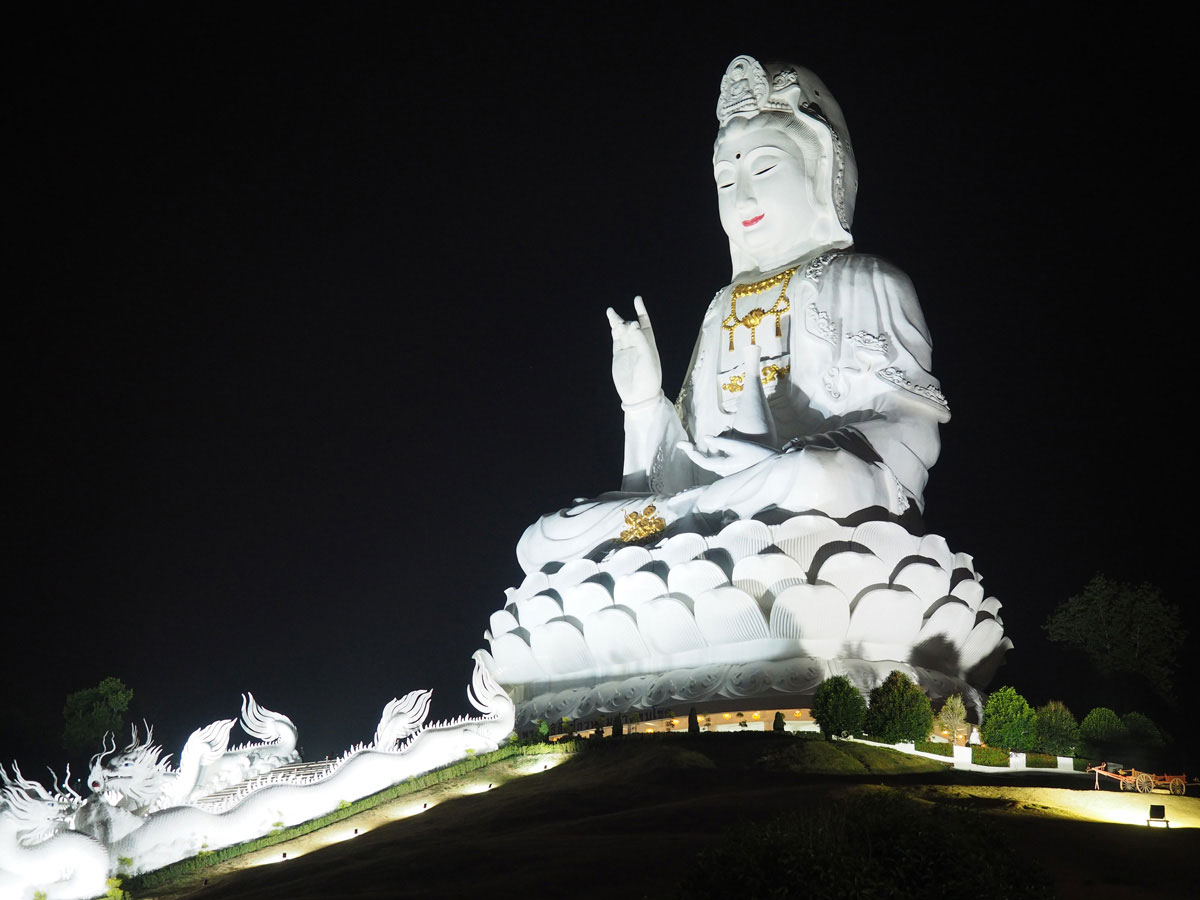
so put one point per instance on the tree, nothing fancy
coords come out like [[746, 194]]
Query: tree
[[952, 718], [91, 713], [1124, 630], [1057, 730], [1008, 721], [1101, 730], [838, 707], [543, 730], [693, 722], [1141, 730], [899, 710], [779, 725], [618, 725]]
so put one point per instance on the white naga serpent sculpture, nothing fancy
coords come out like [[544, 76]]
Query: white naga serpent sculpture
[[43, 846]]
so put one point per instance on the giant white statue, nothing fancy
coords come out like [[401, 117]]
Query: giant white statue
[[768, 530]]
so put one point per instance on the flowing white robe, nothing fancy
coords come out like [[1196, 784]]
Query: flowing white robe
[[858, 355]]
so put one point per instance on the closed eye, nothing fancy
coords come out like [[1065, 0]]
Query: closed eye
[[765, 170]]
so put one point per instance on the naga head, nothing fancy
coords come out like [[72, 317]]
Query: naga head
[[137, 773]]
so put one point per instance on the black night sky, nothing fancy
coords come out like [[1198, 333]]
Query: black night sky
[[306, 323]]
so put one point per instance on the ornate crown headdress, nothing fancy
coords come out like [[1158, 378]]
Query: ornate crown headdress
[[748, 89]]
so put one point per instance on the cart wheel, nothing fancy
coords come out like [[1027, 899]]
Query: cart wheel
[[1125, 785], [1145, 783], [1178, 787]]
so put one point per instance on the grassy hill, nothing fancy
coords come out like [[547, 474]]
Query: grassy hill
[[672, 815]]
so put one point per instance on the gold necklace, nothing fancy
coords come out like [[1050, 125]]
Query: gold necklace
[[753, 318]]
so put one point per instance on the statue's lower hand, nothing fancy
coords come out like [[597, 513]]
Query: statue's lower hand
[[727, 455], [636, 370]]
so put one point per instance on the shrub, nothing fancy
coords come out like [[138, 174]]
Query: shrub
[[838, 707], [1008, 721], [899, 711], [779, 726], [1141, 730], [1057, 730], [989, 756], [1081, 764], [952, 717], [1100, 730]]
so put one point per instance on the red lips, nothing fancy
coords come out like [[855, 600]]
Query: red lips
[[748, 222]]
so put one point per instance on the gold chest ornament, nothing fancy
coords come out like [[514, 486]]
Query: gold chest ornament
[[755, 317]]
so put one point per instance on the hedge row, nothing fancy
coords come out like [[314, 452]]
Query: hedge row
[[989, 756], [939, 747], [1041, 761], [208, 858]]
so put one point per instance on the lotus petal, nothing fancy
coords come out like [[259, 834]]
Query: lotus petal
[[742, 538], [927, 579], [889, 541], [810, 524], [668, 626], [502, 621], [804, 549], [935, 547], [638, 588], [815, 614], [969, 592], [680, 548], [535, 610], [952, 620], [695, 577], [613, 637], [980, 643], [534, 583], [625, 560], [572, 573], [515, 662], [559, 646], [584, 599], [965, 561], [726, 615], [853, 572], [885, 616], [765, 575]]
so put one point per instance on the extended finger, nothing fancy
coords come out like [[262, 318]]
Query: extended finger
[[639, 306], [613, 319]]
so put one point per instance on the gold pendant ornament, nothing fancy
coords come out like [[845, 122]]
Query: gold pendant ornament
[[753, 318]]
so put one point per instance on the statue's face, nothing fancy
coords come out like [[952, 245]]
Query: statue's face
[[764, 196]]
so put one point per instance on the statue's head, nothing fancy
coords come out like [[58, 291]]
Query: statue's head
[[783, 164]]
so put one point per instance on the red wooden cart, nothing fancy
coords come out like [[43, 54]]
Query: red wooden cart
[[1142, 782]]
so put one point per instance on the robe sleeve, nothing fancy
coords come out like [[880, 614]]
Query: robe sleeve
[[885, 362]]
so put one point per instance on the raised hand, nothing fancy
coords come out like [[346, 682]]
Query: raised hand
[[636, 370]]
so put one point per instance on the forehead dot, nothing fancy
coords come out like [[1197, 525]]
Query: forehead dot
[[737, 156]]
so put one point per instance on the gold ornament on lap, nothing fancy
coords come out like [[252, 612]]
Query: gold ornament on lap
[[642, 524]]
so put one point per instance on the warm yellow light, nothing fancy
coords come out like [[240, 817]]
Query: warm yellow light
[[727, 715], [674, 721], [756, 715]]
